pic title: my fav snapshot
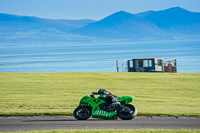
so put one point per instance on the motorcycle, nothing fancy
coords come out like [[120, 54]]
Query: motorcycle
[[101, 108]]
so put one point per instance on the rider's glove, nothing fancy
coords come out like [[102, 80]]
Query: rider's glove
[[93, 93]]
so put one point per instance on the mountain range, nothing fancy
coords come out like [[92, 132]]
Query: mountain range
[[172, 23], [150, 24]]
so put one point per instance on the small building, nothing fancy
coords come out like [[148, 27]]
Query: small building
[[148, 65]]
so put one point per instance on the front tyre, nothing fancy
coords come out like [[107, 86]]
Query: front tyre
[[82, 112], [128, 113]]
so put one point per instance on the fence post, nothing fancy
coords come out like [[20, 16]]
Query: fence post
[[117, 64]]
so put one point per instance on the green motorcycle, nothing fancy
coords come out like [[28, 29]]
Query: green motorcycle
[[100, 108]]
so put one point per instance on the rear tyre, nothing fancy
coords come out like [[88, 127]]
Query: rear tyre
[[128, 113], [82, 112]]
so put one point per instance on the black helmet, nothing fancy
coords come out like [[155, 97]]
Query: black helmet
[[101, 91]]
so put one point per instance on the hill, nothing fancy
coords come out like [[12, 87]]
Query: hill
[[147, 25], [172, 23], [119, 25], [20, 23], [175, 19], [14, 28]]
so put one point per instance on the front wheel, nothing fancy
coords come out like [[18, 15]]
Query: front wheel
[[128, 113], [82, 112]]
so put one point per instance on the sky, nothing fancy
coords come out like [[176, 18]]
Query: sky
[[89, 9]]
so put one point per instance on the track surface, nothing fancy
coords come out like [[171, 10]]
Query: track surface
[[61, 122]]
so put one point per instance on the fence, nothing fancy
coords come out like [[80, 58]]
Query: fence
[[122, 66]]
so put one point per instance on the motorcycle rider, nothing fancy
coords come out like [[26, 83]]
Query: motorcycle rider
[[113, 99]]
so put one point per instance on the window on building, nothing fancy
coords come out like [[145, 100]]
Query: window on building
[[147, 63], [140, 63], [131, 63], [159, 62], [150, 63]]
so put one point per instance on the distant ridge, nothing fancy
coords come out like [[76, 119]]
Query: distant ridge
[[20, 29], [118, 25], [175, 16], [172, 23], [35, 22], [150, 24]]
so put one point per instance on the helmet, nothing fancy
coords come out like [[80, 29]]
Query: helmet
[[101, 91]]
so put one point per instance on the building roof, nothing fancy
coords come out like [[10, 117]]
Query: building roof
[[145, 58]]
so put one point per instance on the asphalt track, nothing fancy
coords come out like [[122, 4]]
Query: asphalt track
[[10, 124]]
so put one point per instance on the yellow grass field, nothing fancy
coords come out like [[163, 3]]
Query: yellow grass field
[[161, 94]]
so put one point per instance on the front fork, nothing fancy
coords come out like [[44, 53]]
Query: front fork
[[86, 107]]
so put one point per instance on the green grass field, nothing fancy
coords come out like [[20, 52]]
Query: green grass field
[[159, 94]]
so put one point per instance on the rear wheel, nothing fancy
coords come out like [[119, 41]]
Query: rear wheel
[[128, 113], [82, 112]]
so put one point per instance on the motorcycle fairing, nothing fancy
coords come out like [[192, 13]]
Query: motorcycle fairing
[[127, 99], [96, 111]]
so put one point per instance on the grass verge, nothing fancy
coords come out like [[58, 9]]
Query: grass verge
[[159, 94]]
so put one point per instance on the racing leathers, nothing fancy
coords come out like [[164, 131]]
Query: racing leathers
[[113, 99]]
